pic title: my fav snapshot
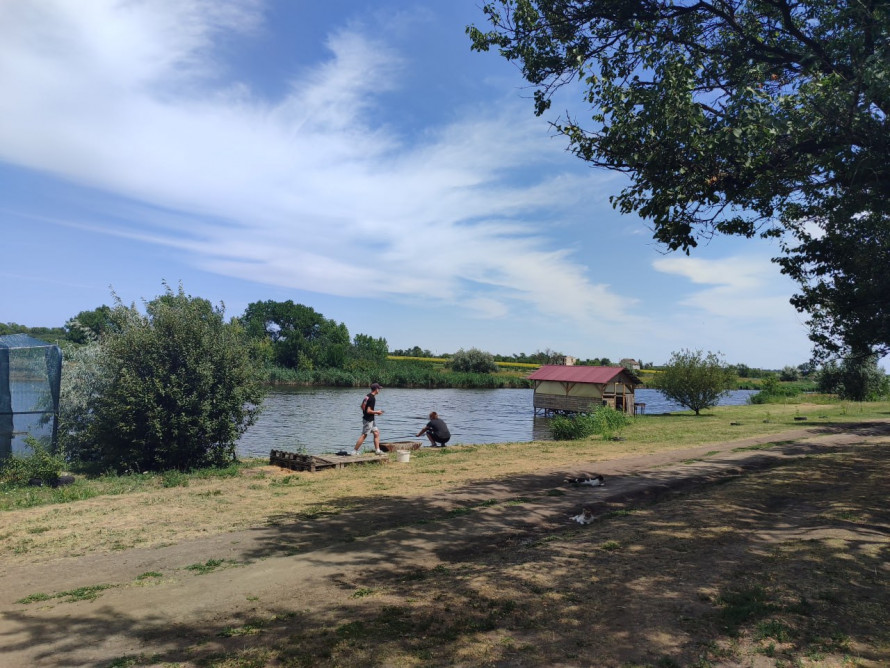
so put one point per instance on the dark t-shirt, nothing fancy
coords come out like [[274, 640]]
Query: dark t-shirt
[[370, 402], [439, 429]]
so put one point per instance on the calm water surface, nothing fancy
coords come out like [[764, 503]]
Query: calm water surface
[[327, 419]]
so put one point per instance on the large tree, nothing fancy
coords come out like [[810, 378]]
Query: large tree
[[741, 117], [301, 337]]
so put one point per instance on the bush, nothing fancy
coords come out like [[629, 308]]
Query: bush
[[473, 361], [83, 381], [604, 420], [772, 391], [609, 421], [18, 470], [855, 378], [171, 389], [571, 427]]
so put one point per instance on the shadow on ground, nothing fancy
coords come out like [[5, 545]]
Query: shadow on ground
[[777, 553]]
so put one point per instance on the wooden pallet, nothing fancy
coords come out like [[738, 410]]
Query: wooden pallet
[[313, 463]]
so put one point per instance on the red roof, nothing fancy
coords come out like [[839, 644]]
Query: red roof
[[581, 374]]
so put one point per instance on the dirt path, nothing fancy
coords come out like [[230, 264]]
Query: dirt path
[[150, 603]]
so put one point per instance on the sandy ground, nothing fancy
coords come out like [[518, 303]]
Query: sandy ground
[[148, 603]]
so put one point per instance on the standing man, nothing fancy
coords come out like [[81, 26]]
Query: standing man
[[436, 430], [368, 424]]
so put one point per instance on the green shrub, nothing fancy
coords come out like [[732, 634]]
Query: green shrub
[[855, 378], [172, 389], [571, 427], [772, 391], [604, 420], [473, 361], [20, 470], [608, 421]]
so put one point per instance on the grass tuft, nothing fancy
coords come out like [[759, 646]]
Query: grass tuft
[[209, 566]]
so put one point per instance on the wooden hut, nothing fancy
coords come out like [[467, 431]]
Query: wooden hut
[[578, 389]]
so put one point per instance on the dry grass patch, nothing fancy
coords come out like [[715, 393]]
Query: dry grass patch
[[783, 567], [727, 575]]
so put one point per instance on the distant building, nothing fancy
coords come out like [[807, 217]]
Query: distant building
[[629, 363], [579, 389]]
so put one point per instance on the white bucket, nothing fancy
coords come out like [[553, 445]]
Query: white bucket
[[403, 456]]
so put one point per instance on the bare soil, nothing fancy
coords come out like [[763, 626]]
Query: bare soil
[[765, 552]]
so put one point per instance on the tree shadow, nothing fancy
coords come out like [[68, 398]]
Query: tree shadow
[[682, 564]]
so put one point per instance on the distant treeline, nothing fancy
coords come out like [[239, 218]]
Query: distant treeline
[[48, 334], [295, 344]]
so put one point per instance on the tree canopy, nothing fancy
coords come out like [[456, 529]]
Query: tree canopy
[[855, 379], [694, 379], [301, 337], [473, 361], [89, 325], [747, 117]]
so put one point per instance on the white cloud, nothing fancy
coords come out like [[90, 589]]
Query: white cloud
[[742, 288], [303, 192]]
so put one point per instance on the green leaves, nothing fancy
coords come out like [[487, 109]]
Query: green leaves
[[473, 361], [40, 465], [298, 336], [740, 117], [171, 389], [605, 420], [694, 379]]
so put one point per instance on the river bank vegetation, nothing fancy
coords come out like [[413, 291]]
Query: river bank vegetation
[[292, 344]]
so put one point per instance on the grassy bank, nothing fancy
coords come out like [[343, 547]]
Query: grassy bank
[[41, 523]]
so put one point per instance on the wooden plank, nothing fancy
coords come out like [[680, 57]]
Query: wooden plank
[[312, 463]]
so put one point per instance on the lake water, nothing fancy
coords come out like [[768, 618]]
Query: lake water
[[327, 419]]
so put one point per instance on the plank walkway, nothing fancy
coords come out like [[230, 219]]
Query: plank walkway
[[313, 463]]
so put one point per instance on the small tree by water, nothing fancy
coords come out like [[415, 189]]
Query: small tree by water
[[695, 380]]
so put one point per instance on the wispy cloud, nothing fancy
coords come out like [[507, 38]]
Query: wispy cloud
[[306, 191], [740, 288]]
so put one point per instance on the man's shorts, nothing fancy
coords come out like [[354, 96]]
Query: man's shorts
[[368, 426]]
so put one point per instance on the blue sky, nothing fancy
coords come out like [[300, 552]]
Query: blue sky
[[354, 157]]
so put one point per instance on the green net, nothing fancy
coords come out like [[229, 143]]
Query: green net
[[30, 379]]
